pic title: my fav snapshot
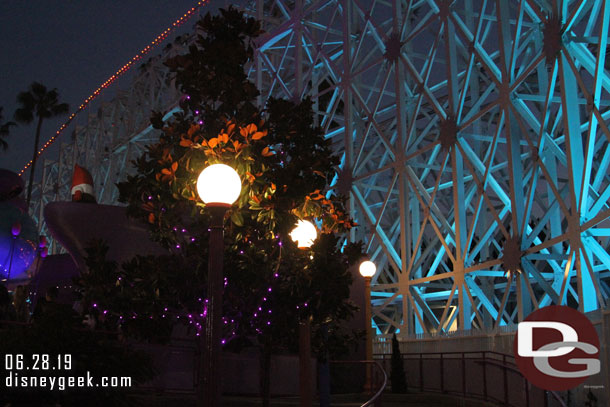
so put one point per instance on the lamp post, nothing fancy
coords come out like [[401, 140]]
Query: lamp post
[[304, 235], [367, 270], [218, 187]]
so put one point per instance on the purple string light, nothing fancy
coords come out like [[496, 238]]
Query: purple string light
[[203, 315]]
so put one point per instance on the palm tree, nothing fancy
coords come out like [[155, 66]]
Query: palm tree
[[4, 130], [38, 102]]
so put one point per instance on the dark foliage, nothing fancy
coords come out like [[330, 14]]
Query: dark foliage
[[57, 330], [397, 374], [4, 132], [286, 166], [40, 103]]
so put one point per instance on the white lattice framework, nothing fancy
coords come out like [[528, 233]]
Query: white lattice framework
[[474, 141], [111, 137]]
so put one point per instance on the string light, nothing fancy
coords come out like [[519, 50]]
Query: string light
[[193, 321], [261, 316], [160, 38]]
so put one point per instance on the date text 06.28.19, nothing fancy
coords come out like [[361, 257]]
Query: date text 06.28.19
[[37, 361]]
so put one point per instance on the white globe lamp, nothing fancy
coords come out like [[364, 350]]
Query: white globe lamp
[[367, 269], [304, 234], [219, 185]]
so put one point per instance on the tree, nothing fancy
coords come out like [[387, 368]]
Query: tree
[[286, 166], [397, 375], [38, 102], [591, 399], [4, 131]]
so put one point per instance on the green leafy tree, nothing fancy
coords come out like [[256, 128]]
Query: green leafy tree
[[38, 103], [397, 375], [285, 165], [4, 132], [142, 296]]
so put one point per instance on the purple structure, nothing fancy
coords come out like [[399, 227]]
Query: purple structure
[[18, 236], [75, 225]]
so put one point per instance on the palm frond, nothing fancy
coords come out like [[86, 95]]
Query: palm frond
[[4, 131]]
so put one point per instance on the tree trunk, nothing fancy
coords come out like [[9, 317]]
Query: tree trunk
[[265, 372], [305, 384], [34, 159], [324, 372]]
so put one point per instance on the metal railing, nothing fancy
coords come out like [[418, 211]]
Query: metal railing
[[485, 375], [378, 376], [384, 341], [376, 399]]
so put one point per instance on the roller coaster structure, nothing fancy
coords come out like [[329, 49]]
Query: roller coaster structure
[[474, 142]]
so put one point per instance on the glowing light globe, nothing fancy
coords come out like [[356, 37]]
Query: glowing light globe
[[219, 185], [367, 269], [304, 234]]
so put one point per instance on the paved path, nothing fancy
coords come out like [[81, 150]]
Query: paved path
[[389, 400]]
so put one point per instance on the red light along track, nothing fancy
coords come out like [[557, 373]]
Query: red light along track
[[191, 12]]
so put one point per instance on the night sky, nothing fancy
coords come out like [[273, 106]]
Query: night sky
[[73, 46]]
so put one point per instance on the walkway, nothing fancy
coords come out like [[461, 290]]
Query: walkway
[[389, 400]]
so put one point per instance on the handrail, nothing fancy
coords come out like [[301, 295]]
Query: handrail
[[483, 357], [508, 366], [377, 396], [457, 353]]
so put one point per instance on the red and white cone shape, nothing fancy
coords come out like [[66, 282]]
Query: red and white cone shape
[[82, 185]]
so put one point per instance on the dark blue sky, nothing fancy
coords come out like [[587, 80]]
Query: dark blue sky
[[73, 46]]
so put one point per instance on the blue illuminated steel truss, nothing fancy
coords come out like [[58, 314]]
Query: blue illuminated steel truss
[[474, 141], [475, 147]]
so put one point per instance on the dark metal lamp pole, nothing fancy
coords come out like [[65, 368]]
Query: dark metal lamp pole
[[213, 322], [304, 235], [367, 270], [218, 186]]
